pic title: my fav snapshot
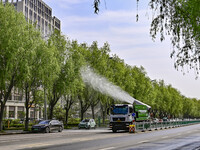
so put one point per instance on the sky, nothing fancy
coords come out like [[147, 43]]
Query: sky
[[130, 40]]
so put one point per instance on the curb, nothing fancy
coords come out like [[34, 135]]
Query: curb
[[12, 133]]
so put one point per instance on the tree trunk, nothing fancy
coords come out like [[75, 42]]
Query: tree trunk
[[82, 115], [66, 116], [53, 102], [103, 113], [84, 108], [1, 115], [92, 108], [51, 110], [3, 103], [69, 102], [27, 107], [104, 116], [27, 119]]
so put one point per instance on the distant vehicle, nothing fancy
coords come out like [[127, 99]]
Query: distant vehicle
[[155, 120], [48, 126], [165, 119], [171, 120], [87, 123]]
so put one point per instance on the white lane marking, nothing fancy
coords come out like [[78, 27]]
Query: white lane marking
[[9, 141], [165, 137], [14, 140], [35, 145], [189, 132], [107, 148], [3, 141]]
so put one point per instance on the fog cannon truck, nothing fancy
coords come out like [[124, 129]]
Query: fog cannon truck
[[123, 115]]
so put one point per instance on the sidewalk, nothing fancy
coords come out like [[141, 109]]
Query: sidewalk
[[10, 132]]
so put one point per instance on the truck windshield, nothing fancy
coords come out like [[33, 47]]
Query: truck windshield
[[119, 110]]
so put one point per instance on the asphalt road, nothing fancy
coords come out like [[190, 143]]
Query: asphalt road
[[182, 138]]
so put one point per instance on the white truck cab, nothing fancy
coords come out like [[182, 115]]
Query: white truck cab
[[121, 116]]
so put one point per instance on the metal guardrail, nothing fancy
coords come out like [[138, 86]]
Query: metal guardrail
[[148, 126]]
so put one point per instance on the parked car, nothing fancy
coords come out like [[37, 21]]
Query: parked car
[[48, 126], [87, 123]]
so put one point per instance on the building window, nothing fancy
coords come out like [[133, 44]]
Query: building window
[[39, 11], [31, 4], [10, 97], [32, 113], [50, 13], [39, 4], [46, 24], [35, 17], [11, 112], [35, 8], [49, 27], [27, 2], [20, 113], [38, 19], [57, 25], [30, 14], [18, 97]]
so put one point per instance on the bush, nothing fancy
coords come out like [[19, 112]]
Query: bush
[[17, 125], [74, 121], [15, 121]]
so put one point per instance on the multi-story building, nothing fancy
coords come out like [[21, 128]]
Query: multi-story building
[[38, 12]]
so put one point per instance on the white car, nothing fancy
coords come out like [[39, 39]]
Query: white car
[[155, 120], [87, 123]]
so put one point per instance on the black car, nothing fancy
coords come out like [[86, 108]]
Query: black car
[[48, 126]]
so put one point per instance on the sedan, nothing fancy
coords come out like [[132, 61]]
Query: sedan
[[87, 123], [48, 126]]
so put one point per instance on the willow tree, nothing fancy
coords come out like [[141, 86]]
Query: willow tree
[[57, 43], [71, 79], [34, 47], [97, 58], [13, 52], [180, 20]]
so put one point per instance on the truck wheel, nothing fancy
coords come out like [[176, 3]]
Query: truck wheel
[[114, 130]]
